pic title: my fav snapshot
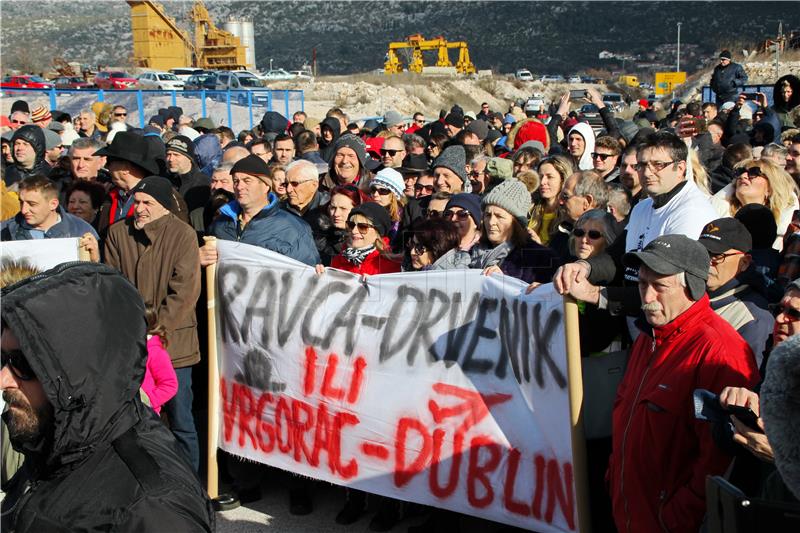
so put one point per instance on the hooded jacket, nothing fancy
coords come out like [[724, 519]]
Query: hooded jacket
[[274, 122], [272, 228], [70, 226], [208, 152], [34, 135], [781, 106], [107, 464], [585, 130], [661, 453], [326, 149]]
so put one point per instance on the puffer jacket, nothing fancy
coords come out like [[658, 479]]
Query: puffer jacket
[[208, 152], [35, 136], [661, 453], [106, 463], [272, 228], [727, 82], [70, 226]]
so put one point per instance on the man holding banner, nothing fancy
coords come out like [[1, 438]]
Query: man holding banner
[[661, 453]]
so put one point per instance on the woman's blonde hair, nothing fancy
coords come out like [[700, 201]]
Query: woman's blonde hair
[[782, 188], [395, 207], [699, 173]]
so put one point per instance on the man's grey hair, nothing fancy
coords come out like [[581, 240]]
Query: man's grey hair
[[412, 139], [589, 183], [307, 169], [482, 157], [774, 151], [619, 198], [87, 112], [226, 166], [85, 142]]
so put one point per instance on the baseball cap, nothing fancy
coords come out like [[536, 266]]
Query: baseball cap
[[671, 254], [723, 234]]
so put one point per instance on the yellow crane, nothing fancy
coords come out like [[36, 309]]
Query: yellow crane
[[418, 44]]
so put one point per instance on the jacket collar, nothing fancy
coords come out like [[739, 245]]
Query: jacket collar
[[661, 200], [232, 209], [679, 324]]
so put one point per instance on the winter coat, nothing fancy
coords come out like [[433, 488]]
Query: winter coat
[[109, 464], [745, 310], [195, 188], [781, 106], [272, 228], [35, 136], [374, 263], [727, 82], [160, 382], [531, 262], [327, 149], [587, 133], [273, 122], [661, 452], [163, 262], [70, 226], [208, 152]]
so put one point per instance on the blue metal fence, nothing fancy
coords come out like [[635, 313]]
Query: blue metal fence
[[711, 96], [238, 110]]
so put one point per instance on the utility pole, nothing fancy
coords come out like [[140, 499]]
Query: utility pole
[[778, 43], [678, 66]]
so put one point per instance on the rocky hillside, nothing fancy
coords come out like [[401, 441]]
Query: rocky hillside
[[547, 37]]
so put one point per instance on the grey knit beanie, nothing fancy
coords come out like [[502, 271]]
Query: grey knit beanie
[[513, 196], [454, 158], [354, 143]]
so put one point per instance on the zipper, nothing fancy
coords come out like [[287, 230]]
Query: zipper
[[625, 433], [662, 497], [30, 486]]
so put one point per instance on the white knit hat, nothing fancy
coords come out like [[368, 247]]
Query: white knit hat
[[390, 179]]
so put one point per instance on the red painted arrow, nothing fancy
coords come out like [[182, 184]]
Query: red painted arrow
[[475, 405]]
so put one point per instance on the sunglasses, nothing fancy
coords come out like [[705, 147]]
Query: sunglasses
[[602, 157], [790, 312], [433, 213], [380, 190], [417, 249], [15, 121], [753, 173], [17, 364], [426, 188], [420, 121], [392, 153], [461, 215], [592, 233], [294, 184], [120, 114], [363, 227]]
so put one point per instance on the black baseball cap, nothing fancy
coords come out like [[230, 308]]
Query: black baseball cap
[[672, 254], [723, 234]]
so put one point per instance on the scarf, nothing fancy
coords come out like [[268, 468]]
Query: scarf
[[357, 255]]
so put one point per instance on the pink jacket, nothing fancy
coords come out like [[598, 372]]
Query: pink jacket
[[160, 382]]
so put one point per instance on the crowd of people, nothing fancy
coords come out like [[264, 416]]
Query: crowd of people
[[678, 231]]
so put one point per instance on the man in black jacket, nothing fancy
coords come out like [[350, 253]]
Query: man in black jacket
[[728, 79], [96, 458], [192, 184], [27, 148]]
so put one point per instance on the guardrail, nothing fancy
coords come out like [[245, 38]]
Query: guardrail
[[711, 96], [237, 109]]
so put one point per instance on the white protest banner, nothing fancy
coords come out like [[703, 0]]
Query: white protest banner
[[443, 388], [41, 253]]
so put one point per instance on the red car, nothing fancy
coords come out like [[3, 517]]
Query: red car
[[114, 80], [72, 82], [25, 82]]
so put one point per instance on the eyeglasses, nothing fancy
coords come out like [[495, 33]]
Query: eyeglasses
[[752, 173], [15, 121], [433, 213], [294, 184], [426, 188], [432, 147], [654, 166], [790, 312], [720, 258], [477, 174], [363, 227], [592, 233], [17, 364], [392, 153], [460, 215], [602, 157], [417, 249], [565, 196], [120, 114], [380, 190]]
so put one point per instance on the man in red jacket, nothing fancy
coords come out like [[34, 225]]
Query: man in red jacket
[[661, 454]]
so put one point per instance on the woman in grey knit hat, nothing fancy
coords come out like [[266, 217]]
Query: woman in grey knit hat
[[505, 245]]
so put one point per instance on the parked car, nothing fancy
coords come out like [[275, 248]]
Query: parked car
[[614, 101], [163, 81], [550, 78], [72, 82], [574, 79], [523, 74], [535, 104], [238, 83], [302, 75], [196, 82], [591, 114], [25, 81], [184, 73], [277, 74], [115, 79]]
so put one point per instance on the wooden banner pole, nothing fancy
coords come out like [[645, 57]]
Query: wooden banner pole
[[575, 380], [212, 482]]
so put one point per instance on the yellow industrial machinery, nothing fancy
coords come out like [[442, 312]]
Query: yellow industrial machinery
[[160, 44], [418, 44]]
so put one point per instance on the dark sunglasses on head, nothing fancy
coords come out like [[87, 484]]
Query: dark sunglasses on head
[[17, 364], [592, 233], [790, 312], [392, 153], [426, 188], [602, 157], [363, 227], [380, 190], [461, 215]]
